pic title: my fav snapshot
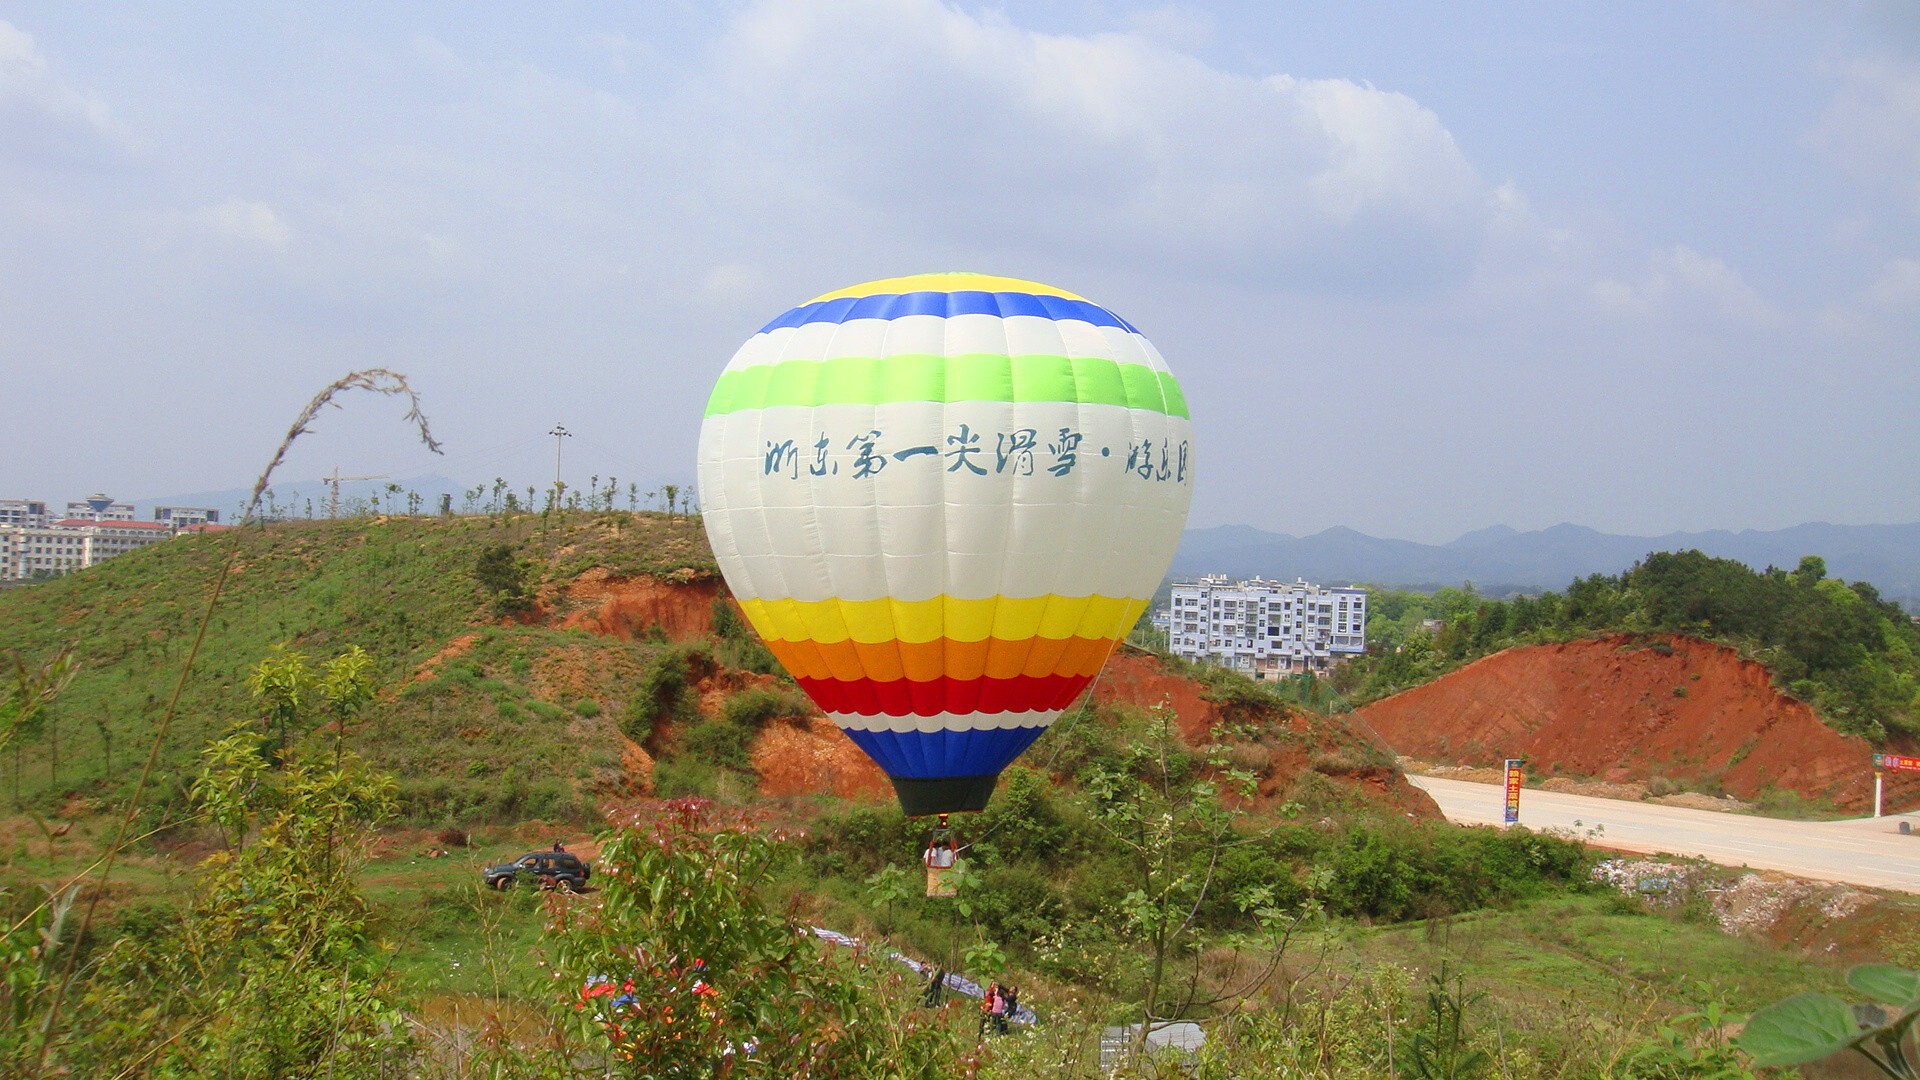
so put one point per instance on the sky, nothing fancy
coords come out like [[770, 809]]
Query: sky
[[1420, 268]]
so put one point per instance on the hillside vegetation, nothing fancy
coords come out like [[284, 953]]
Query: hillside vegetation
[[490, 727], [1175, 847], [1836, 645]]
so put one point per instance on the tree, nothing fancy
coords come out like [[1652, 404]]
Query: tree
[[1161, 803], [288, 690], [281, 684], [504, 576], [268, 970], [28, 691]]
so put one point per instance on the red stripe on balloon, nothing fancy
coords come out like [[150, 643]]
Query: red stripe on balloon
[[931, 697]]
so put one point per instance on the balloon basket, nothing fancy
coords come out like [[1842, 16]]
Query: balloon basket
[[943, 880]]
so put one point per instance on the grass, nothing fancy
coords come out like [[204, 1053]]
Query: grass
[[448, 933], [402, 588], [1594, 948]]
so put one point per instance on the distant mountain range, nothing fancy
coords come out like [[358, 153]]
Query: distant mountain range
[[1500, 560]]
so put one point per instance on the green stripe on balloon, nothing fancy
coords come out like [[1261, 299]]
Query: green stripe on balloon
[[869, 380]]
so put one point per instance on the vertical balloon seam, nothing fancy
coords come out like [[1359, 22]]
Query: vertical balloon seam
[[893, 613], [766, 522], [952, 747], [1056, 586], [1007, 529]]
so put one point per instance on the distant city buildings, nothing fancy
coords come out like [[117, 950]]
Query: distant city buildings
[[180, 517], [99, 508], [92, 531], [1266, 629], [19, 512]]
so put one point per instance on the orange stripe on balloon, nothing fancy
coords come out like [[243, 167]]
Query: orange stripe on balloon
[[924, 661]]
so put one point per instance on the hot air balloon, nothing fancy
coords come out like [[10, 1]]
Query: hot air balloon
[[941, 500]]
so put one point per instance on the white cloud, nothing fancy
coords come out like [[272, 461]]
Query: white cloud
[[41, 117], [250, 222], [1891, 302], [731, 280], [1898, 287], [1872, 126], [923, 119], [1683, 282]]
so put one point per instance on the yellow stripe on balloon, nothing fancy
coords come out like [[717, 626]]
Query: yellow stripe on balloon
[[947, 283], [1007, 617]]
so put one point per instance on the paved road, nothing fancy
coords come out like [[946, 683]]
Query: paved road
[[1861, 851]]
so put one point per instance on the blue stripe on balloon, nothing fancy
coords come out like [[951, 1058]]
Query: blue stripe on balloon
[[932, 755], [946, 305]]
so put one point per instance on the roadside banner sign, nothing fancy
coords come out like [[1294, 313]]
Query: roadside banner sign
[[1514, 779], [1896, 762]]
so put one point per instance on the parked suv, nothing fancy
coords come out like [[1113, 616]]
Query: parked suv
[[561, 870]]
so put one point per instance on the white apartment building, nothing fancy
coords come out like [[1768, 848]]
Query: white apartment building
[[180, 517], [22, 512], [73, 544], [1267, 629]]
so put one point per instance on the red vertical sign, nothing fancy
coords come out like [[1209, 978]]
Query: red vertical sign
[[1514, 778]]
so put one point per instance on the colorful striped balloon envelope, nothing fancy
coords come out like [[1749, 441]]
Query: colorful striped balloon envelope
[[941, 500]]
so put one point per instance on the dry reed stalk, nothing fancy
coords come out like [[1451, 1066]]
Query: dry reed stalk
[[375, 380]]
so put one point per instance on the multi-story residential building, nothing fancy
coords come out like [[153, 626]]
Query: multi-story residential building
[[99, 508], [180, 517], [72, 544], [22, 512], [1267, 629]]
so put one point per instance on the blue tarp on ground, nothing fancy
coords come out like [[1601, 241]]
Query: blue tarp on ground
[[961, 983]]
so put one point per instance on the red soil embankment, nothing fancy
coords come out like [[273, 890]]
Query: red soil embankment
[[1326, 745], [1132, 678], [1629, 709], [601, 603], [808, 755]]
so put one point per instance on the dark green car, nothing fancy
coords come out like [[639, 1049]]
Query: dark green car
[[562, 870]]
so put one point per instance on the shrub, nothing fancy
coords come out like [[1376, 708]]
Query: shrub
[[662, 696], [720, 743], [695, 960], [752, 709]]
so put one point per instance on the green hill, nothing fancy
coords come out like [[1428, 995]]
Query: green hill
[[480, 733], [1836, 645]]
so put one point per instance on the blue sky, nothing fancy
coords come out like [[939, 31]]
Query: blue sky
[[1421, 269]]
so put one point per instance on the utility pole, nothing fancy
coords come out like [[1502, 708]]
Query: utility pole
[[559, 433]]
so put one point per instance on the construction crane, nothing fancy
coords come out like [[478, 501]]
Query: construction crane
[[334, 481]]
